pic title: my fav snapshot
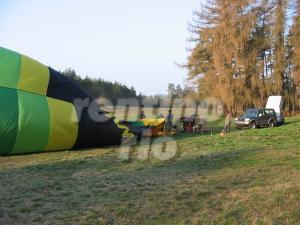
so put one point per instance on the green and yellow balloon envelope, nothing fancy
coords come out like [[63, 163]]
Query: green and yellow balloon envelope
[[38, 112]]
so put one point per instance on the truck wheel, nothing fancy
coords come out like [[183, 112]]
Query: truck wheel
[[253, 125], [271, 124]]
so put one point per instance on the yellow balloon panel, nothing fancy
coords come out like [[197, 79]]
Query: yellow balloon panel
[[63, 125], [34, 77]]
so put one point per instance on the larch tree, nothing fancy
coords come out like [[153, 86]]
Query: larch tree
[[295, 58], [261, 48], [218, 61], [242, 53], [277, 81]]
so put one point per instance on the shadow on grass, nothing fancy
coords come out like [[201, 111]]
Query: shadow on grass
[[110, 166], [73, 186], [109, 174], [292, 120]]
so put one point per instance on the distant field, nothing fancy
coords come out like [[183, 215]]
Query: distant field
[[248, 177]]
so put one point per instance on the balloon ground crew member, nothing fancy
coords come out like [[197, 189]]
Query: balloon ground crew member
[[227, 122], [169, 121], [142, 115]]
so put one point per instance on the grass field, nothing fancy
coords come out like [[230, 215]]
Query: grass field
[[248, 177]]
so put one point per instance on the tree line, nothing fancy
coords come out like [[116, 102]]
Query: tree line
[[180, 92], [98, 87], [245, 51]]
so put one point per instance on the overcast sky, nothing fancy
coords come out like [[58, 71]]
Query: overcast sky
[[135, 42]]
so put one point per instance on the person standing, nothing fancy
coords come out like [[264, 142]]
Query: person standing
[[142, 115], [169, 121], [228, 122]]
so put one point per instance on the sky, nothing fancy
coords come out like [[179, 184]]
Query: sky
[[135, 42]]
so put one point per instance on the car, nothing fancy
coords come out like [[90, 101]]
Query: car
[[254, 118]]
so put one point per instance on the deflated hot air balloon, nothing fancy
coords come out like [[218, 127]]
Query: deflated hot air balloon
[[41, 110]]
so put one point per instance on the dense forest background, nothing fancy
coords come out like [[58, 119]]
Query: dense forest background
[[245, 51], [101, 88], [114, 91]]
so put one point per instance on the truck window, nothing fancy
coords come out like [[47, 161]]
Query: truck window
[[269, 112]]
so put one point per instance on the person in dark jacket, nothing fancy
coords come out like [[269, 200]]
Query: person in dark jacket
[[169, 121], [142, 115]]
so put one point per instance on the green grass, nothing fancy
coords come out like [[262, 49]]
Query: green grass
[[247, 177]]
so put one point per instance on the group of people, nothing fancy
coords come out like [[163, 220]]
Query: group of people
[[170, 117]]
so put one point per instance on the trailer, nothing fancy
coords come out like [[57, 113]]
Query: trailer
[[276, 103]]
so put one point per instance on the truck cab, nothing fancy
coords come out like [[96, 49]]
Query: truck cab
[[254, 118]]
